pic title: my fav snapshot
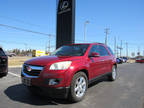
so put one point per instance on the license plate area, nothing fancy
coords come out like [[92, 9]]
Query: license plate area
[[26, 81]]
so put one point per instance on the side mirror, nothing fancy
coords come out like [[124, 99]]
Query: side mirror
[[94, 54]]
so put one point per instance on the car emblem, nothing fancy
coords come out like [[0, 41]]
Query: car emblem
[[64, 5], [28, 68]]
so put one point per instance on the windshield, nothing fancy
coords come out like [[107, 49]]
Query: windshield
[[71, 50]]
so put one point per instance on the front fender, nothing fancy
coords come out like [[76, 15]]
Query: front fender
[[73, 70]]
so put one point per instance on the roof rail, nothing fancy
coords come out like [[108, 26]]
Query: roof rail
[[99, 43]]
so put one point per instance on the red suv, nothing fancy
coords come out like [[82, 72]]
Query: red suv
[[68, 71]]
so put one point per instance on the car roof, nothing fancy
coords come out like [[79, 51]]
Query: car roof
[[87, 43]]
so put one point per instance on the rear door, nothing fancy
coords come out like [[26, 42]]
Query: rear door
[[106, 58]]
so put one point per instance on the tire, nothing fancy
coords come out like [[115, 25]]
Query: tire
[[114, 74], [78, 87], [3, 75]]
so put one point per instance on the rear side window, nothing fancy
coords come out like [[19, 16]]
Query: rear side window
[[110, 51], [103, 51], [2, 52]]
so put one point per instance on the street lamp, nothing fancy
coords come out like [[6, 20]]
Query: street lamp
[[85, 24]]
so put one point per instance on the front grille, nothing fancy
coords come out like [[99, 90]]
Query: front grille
[[35, 71]]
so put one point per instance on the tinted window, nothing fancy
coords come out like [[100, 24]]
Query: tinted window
[[103, 51], [2, 52], [71, 50], [110, 51], [94, 48]]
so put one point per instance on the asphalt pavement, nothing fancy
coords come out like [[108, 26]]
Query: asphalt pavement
[[126, 92]]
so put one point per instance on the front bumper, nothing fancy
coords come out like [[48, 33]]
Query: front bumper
[[3, 71], [61, 92], [40, 85], [3, 74]]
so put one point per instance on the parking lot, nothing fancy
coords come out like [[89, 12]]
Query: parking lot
[[126, 92]]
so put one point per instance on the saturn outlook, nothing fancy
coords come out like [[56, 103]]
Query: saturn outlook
[[67, 72]]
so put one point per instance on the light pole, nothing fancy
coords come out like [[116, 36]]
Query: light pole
[[121, 49], [85, 24], [126, 49], [106, 32]]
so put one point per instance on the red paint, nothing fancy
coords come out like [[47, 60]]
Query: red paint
[[95, 66], [140, 60]]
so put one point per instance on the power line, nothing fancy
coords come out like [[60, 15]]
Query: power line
[[20, 21], [25, 30], [19, 43], [25, 37]]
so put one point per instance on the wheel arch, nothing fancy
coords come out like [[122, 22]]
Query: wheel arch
[[85, 71], [115, 64]]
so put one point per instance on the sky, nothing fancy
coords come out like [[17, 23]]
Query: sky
[[124, 18]]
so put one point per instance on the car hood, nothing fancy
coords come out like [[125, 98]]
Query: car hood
[[45, 60]]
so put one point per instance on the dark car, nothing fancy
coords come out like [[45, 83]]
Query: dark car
[[124, 59], [119, 60], [11, 54], [68, 70], [3, 63]]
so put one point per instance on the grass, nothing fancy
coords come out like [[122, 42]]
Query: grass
[[131, 61], [17, 61]]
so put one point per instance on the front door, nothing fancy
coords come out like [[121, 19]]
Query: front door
[[96, 63]]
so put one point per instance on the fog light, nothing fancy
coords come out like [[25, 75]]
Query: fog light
[[53, 81]]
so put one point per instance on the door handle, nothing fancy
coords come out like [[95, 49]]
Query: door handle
[[102, 60]]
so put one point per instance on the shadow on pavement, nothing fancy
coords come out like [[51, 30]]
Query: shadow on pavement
[[21, 94]]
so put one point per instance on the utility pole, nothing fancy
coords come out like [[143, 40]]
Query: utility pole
[[49, 44], [85, 24], [106, 32], [121, 49], [138, 49], [126, 49], [115, 46], [117, 51], [138, 53], [46, 47], [26, 46]]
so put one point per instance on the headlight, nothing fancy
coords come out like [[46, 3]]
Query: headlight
[[60, 65]]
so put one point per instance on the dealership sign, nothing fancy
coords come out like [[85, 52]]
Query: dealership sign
[[65, 22], [64, 7]]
